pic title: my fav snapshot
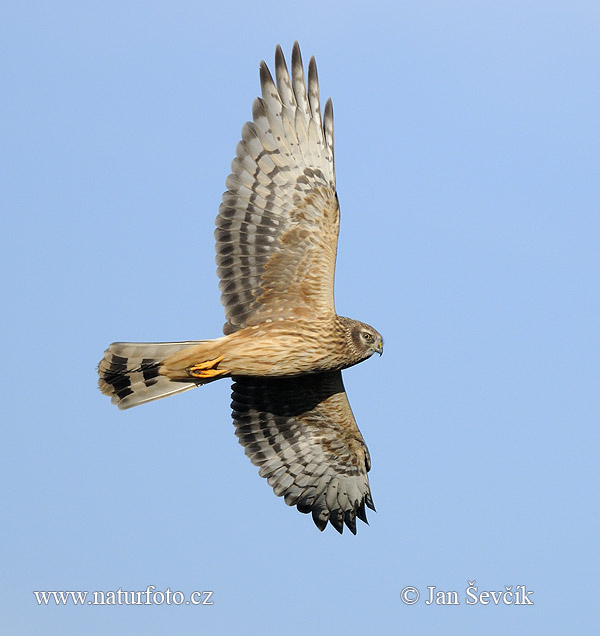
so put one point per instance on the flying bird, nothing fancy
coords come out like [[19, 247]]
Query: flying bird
[[284, 345]]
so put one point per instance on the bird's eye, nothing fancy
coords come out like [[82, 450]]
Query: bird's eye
[[367, 336]]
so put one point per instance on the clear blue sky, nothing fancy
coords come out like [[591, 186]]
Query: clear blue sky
[[468, 168]]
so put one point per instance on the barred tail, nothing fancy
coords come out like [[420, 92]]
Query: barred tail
[[130, 372]]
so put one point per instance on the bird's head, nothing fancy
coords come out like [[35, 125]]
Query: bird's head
[[365, 339]]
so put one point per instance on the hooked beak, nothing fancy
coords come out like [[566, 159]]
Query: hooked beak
[[379, 346]]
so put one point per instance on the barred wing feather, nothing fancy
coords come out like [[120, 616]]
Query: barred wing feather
[[277, 227], [303, 436]]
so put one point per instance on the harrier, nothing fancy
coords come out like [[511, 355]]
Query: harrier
[[284, 345]]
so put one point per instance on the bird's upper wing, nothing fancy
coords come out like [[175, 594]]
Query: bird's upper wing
[[302, 434], [278, 224]]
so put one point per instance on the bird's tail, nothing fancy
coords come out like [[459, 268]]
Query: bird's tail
[[132, 373]]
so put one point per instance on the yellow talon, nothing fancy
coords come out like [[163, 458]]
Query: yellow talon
[[207, 369]]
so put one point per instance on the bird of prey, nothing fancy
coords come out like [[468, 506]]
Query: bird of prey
[[284, 345]]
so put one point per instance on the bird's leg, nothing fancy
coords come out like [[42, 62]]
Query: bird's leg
[[207, 369]]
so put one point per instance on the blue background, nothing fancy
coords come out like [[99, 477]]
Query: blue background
[[468, 168]]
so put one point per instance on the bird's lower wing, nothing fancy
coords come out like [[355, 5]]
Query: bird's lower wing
[[302, 434]]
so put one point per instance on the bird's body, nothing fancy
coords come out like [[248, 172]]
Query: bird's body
[[284, 344], [285, 348]]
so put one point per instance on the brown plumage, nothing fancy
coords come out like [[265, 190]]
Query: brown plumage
[[284, 345]]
